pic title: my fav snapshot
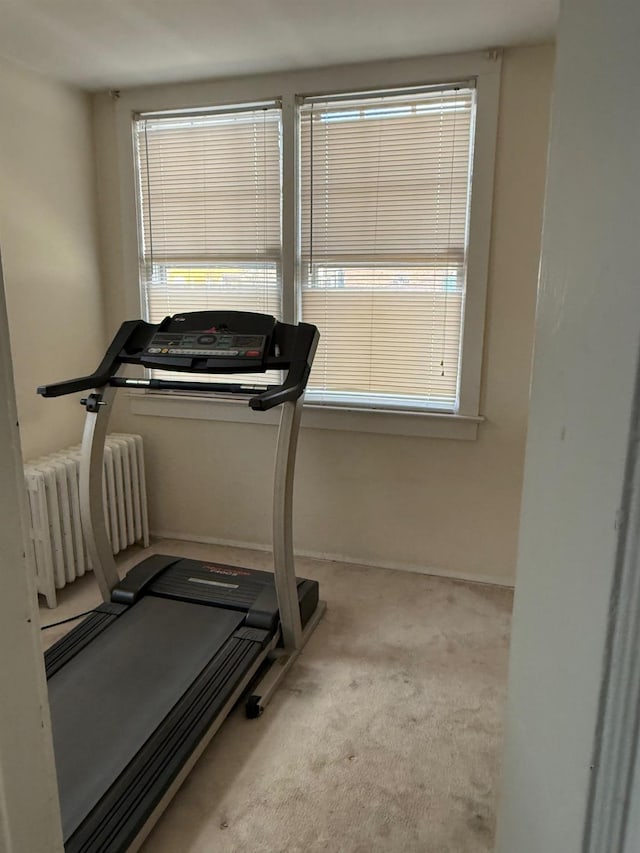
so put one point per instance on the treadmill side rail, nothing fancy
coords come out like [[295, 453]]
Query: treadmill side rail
[[84, 633]]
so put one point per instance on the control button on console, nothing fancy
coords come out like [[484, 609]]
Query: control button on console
[[252, 353], [207, 339]]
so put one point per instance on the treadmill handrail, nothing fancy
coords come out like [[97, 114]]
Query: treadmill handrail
[[130, 340], [105, 370], [188, 385]]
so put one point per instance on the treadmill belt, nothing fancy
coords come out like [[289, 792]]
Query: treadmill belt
[[109, 699]]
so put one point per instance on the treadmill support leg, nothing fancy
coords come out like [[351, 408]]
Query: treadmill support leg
[[283, 560], [91, 501]]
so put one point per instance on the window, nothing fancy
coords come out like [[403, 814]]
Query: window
[[384, 212], [355, 211], [209, 224]]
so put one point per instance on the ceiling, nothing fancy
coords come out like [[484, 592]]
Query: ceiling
[[99, 44]]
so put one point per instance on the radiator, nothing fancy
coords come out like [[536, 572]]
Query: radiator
[[58, 547]]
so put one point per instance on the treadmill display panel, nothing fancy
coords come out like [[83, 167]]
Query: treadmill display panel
[[209, 343]]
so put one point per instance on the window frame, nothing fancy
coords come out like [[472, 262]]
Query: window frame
[[288, 88]]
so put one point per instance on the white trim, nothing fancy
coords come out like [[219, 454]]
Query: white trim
[[414, 568], [421, 424], [483, 67], [479, 243], [616, 747], [290, 225], [29, 808]]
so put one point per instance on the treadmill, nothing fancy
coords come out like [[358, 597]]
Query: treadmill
[[139, 687]]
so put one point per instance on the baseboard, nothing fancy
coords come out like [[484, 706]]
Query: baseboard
[[491, 580]]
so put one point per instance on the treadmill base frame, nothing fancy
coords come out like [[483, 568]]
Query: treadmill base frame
[[282, 662]]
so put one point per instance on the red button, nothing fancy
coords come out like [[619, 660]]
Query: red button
[[252, 353]]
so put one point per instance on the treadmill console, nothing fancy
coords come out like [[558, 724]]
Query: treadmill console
[[205, 343], [206, 340]]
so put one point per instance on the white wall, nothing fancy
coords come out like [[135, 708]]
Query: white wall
[[450, 505], [29, 817], [582, 426], [633, 832], [49, 244]]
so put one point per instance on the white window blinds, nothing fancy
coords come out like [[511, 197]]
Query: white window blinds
[[385, 185], [209, 192]]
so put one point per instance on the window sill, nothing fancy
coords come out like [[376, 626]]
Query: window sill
[[427, 424]]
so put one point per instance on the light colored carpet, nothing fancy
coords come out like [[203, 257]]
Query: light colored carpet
[[384, 738]]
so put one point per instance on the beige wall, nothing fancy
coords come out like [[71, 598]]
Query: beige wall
[[448, 505], [49, 249]]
